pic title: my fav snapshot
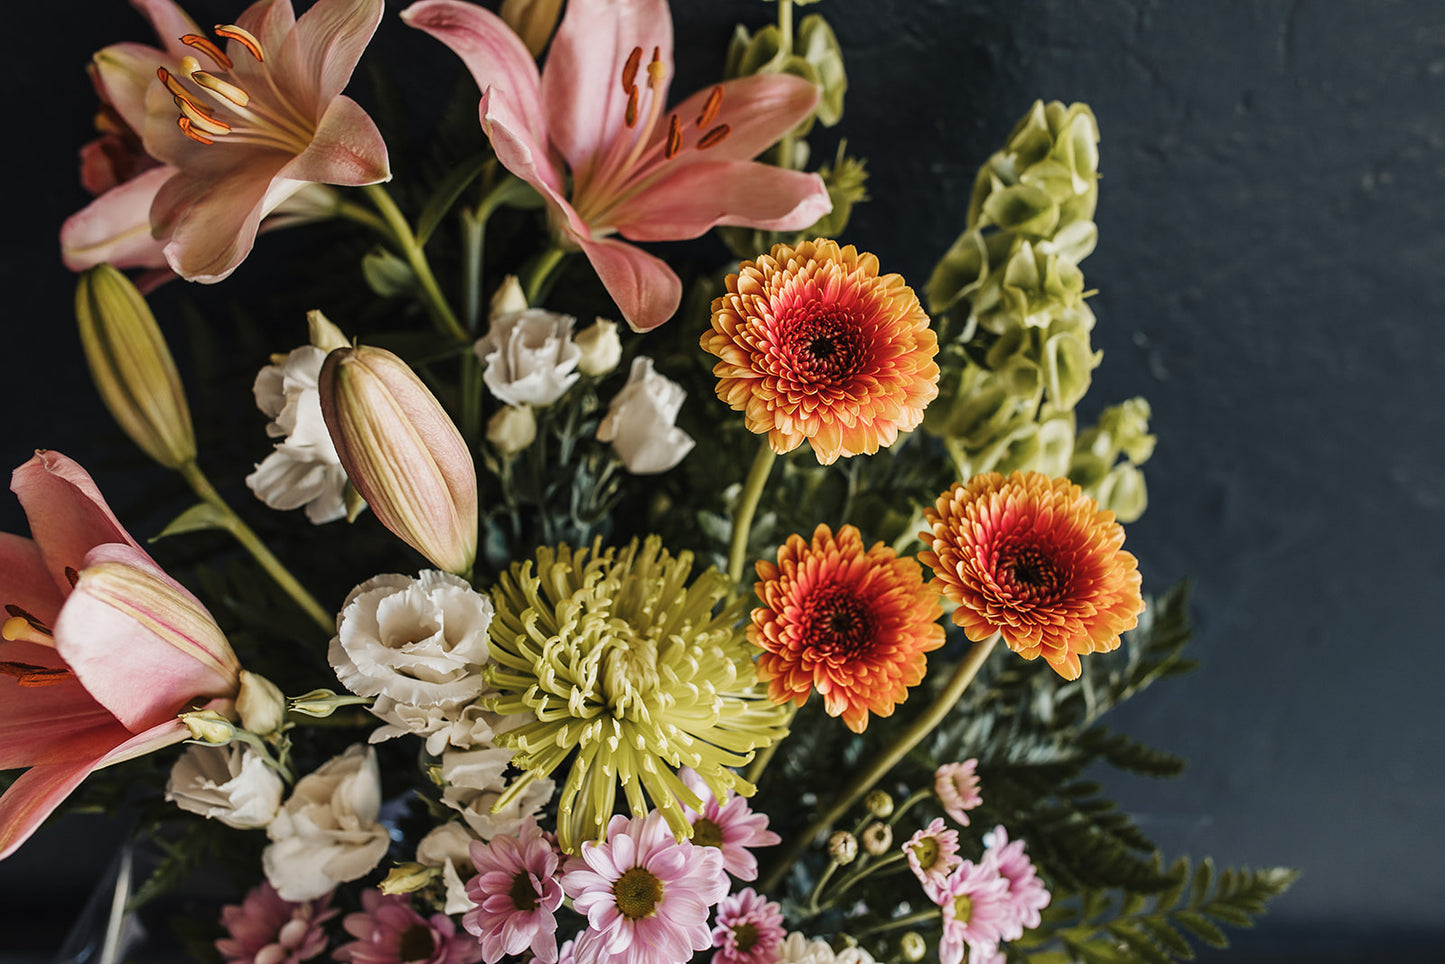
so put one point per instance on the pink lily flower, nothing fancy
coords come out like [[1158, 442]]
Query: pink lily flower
[[101, 648], [255, 124], [636, 170]]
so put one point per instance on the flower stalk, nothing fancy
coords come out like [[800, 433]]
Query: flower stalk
[[401, 233], [748, 500]]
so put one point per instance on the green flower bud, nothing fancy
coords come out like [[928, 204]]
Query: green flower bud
[[818, 47], [261, 704], [912, 946], [132, 367], [601, 348], [208, 726], [879, 803], [512, 429], [843, 847], [533, 21], [324, 334], [877, 838], [322, 703], [408, 877], [403, 453], [1123, 492]]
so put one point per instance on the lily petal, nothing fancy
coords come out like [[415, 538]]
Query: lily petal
[[690, 200], [758, 111], [269, 21], [25, 583], [124, 603], [646, 290], [68, 516], [212, 221], [170, 23], [125, 72], [33, 797], [116, 226], [499, 63], [582, 82], [347, 150], [56, 723], [321, 53]]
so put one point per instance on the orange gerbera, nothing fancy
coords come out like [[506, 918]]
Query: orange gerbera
[[1034, 559], [849, 623], [813, 344]]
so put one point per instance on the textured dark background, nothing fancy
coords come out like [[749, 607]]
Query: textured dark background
[[1268, 276]]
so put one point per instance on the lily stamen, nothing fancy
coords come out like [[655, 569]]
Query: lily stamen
[[184, 123], [674, 138], [242, 37], [225, 89], [209, 48], [21, 629], [629, 70], [28, 675], [206, 124], [710, 109], [15, 610], [713, 137], [179, 91]]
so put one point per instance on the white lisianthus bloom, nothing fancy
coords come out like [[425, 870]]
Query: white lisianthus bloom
[[475, 782], [327, 832], [798, 949], [442, 726], [641, 422], [231, 784], [530, 356], [419, 641], [304, 468], [449, 847]]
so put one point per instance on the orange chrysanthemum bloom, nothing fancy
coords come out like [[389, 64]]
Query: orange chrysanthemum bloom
[[1034, 559], [813, 344], [851, 623]]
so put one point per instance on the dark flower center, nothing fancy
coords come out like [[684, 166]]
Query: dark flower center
[[417, 944], [705, 833], [1028, 569], [837, 622], [638, 893], [746, 936], [822, 342], [522, 892]]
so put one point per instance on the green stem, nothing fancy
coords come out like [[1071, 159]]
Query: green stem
[[908, 805], [199, 484], [952, 691], [861, 874], [747, 507], [474, 238], [785, 43], [827, 875], [402, 234], [541, 271], [922, 917], [355, 212]]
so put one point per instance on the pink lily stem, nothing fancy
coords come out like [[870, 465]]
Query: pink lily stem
[[748, 500], [248, 539], [925, 724], [402, 234]]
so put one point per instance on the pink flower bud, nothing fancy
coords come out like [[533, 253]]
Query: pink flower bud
[[403, 454]]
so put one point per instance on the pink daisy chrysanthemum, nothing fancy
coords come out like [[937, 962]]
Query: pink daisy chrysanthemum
[[933, 853], [269, 929], [956, 785], [976, 911], [646, 895], [516, 891], [389, 931], [1026, 892], [730, 826], [749, 929]]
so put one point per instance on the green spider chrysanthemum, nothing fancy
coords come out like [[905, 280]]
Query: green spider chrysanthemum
[[612, 654]]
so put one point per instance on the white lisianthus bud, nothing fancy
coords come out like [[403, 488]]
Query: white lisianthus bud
[[208, 726], [327, 832], [530, 357], [641, 421], [421, 642], [512, 429], [508, 299], [230, 784], [261, 704], [324, 334], [304, 469], [601, 347]]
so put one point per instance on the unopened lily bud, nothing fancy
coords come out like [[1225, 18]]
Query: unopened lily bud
[[132, 367], [324, 334], [877, 838], [533, 21], [508, 299], [913, 946], [208, 726], [407, 877], [261, 704], [512, 429], [403, 453], [601, 348], [843, 847], [879, 803]]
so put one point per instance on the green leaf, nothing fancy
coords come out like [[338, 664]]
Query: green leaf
[[1167, 937], [198, 518], [446, 194], [386, 273], [1201, 927]]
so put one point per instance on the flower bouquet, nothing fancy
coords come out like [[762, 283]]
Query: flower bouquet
[[535, 675]]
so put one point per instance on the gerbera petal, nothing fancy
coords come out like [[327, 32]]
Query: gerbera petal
[[582, 82], [347, 149], [115, 228], [646, 290], [758, 110], [693, 198]]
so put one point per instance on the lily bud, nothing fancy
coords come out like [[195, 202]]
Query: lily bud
[[601, 348], [261, 704], [324, 334], [132, 367], [533, 21], [512, 429], [208, 726], [403, 453]]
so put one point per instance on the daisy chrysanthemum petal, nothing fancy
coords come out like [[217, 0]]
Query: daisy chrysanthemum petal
[[813, 344], [616, 660], [1035, 560], [849, 622]]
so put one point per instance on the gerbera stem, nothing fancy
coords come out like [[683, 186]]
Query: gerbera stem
[[885, 761], [402, 234], [201, 485], [747, 507]]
